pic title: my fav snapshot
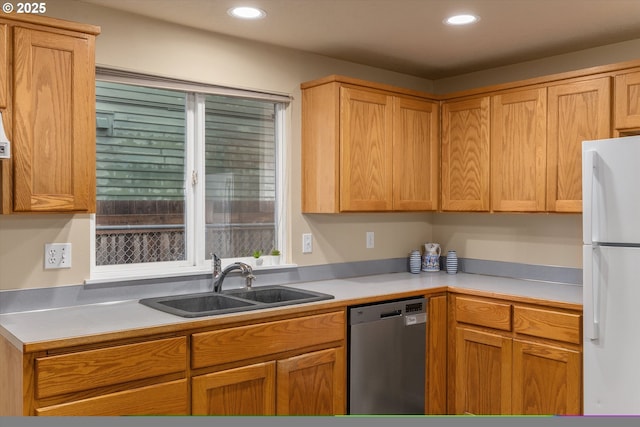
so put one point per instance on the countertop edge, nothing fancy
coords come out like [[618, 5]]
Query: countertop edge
[[378, 287]]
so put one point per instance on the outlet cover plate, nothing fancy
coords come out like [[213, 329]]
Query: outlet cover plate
[[57, 255]]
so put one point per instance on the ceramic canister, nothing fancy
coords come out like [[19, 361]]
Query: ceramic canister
[[452, 262]]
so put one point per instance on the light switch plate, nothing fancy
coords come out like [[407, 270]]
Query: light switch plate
[[307, 243], [57, 255], [5, 150]]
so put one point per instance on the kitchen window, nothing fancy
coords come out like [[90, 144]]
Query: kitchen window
[[184, 170]]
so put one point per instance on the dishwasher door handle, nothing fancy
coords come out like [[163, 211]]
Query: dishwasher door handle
[[393, 313]]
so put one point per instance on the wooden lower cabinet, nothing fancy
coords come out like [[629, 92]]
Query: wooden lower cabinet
[[546, 379], [293, 367], [312, 383], [508, 358], [308, 384], [159, 399], [248, 390], [483, 373]]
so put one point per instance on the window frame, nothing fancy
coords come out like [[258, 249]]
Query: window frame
[[195, 261]]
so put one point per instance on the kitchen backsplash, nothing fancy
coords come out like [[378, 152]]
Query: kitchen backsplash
[[64, 296]]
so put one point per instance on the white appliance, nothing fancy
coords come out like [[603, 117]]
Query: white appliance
[[611, 275]]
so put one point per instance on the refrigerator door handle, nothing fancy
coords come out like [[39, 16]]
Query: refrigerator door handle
[[594, 334], [592, 159]]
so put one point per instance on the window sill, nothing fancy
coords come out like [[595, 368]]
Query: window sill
[[120, 276]]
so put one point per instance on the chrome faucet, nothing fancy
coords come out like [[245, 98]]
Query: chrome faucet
[[219, 274]]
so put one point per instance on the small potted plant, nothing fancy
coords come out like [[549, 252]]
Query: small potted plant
[[257, 254], [275, 256]]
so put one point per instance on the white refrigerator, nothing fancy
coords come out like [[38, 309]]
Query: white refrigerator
[[611, 275]]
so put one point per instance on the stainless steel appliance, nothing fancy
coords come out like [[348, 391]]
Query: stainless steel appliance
[[387, 348]]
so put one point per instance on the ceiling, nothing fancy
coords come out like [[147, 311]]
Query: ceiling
[[408, 36]]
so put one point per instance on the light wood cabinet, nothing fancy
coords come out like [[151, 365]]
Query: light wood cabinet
[[546, 379], [295, 365], [366, 150], [248, 390], [518, 150], [534, 150], [512, 358], [160, 399], [50, 101], [627, 101], [577, 111], [465, 155], [367, 147], [143, 378], [311, 381], [483, 373], [415, 155]]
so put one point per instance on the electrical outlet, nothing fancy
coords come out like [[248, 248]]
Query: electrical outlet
[[370, 242], [307, 243], [57, 255]]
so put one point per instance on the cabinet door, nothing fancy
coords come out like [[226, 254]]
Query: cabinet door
[[465, 155], [365, 150], [518, 150], [312, 383], [54, 122], [249, 390], [546, 379], [578, 112], [627, 100], [415, 155], [483, 373]]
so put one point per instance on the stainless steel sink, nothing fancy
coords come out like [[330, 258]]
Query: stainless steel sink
[[232, 301]]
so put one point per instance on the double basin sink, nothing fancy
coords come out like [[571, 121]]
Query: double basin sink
[[233, 300]]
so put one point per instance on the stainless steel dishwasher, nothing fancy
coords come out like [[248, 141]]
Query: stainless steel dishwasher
[[387, 347]]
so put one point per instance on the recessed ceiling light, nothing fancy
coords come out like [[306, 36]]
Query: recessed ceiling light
[[247, 12], [461, 19]]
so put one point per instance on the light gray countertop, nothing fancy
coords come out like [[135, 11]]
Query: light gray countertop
[[27, 328]]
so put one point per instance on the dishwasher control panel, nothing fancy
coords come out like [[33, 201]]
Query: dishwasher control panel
[[414, 311]]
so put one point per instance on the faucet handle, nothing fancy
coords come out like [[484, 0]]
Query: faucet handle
[[249, 280]]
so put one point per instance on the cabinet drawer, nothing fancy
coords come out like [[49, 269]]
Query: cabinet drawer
[[483, 313], [97, 368], [245, 342], [160, 399], [549, 324]]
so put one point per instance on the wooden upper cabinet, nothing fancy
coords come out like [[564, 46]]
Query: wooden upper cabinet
[[366, 151], [627, 101], [577, 111], [367, 147], [54, 122], [518, 150], [415, 154], [465, 155]]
